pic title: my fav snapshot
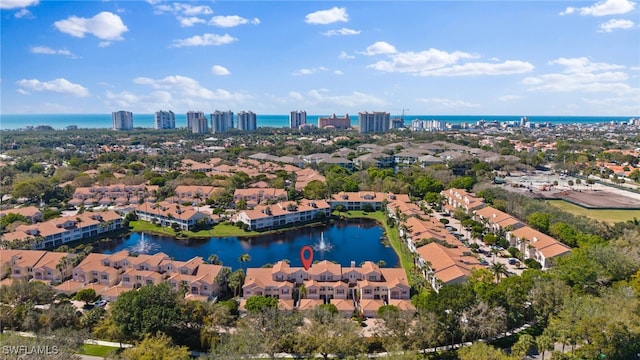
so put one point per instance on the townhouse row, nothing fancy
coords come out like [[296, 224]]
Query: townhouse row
[[59, 231], [112, 274], [289, 212], [348, 288], [531, 243]]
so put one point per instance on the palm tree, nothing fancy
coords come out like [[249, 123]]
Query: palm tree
[[498, 269], [214, 259], [244, 258]]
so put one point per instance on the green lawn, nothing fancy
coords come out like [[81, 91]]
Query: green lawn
[[609, 216], [97, 350], [219, 230]]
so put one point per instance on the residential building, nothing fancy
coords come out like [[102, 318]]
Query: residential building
[[538, 246], [221, 121], [122, 120], [164, 120], [166, 214], [373, 122], [199, 124], [58, 231], [116, 194], [255, 197], [283, 213], [461, 198], [192, 116], [48, 267], [428, 125], [247, 121], [357, 200], [31, 213], [297, 119], [326, 282], [446, 265], [334, 122]]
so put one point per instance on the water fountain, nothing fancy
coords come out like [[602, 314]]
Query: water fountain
[[144, 246], [322, 246]]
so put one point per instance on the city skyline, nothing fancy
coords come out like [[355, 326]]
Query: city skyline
[[464, 58]]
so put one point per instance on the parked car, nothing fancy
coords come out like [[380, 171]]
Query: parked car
[[513, 261], [100, 303]]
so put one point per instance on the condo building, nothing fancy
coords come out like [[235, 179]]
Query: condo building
[[122, 120], [247, 121], [297, 119], [164, 120], [335, 122], [199, 125], [192, 115], [370, 122], [221, 121]]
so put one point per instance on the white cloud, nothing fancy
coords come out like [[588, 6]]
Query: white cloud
[[309, 71], [581, 74], [190, 21], [15, 4], [613, 24], [509, 97], [105, 26], [23, 13], [338, 72], [583, 64], [434, 62], [61, 85], [344, 55], [219, 70], [104, 44], [448, 103], [205, 40], [603, 8], [341, 32], [182, 9], [508, 67], [380, 47], [186, 87], [49, 51], [23, 92], [330, 16], [295, 95], [231, 21]]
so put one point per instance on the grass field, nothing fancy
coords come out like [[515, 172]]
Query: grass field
[[609, 216], [220, 230], [97, 350]]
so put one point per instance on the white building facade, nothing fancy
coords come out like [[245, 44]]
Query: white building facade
[[122, 120]]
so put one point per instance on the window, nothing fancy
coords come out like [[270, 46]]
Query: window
[[104, 277], [367, 291], [17, 272], [340, 291], [149, 282], [126, 279], [138, 277], [372, 278]]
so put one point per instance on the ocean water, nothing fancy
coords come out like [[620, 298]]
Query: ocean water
[[97, 121]]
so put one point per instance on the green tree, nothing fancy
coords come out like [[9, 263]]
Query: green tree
[[86, 295], [328, 333], [158, 347], [481, 351], [315, 189], [463, 182], [151, 309], [258, 303], [521, 348], [539, 221], [235, 281]]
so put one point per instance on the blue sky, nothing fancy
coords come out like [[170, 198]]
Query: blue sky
[[271, 57]]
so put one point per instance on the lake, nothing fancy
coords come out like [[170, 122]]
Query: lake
[[344, 241]]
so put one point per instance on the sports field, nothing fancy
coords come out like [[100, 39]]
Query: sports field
[[609, 216]]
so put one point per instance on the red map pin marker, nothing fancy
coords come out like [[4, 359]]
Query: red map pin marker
[[306, 261]]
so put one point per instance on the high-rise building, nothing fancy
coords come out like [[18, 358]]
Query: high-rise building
[[376, 121], [247, 121], [199, 125], [122, 120], [221, 121], [297, 119], [192, 115], [335, 122], [164, 120]]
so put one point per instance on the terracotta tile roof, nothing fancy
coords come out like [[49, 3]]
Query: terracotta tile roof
[[307, 304], [343, 304], [29, 211], [402, 305], [325, 266], [448, 264]]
